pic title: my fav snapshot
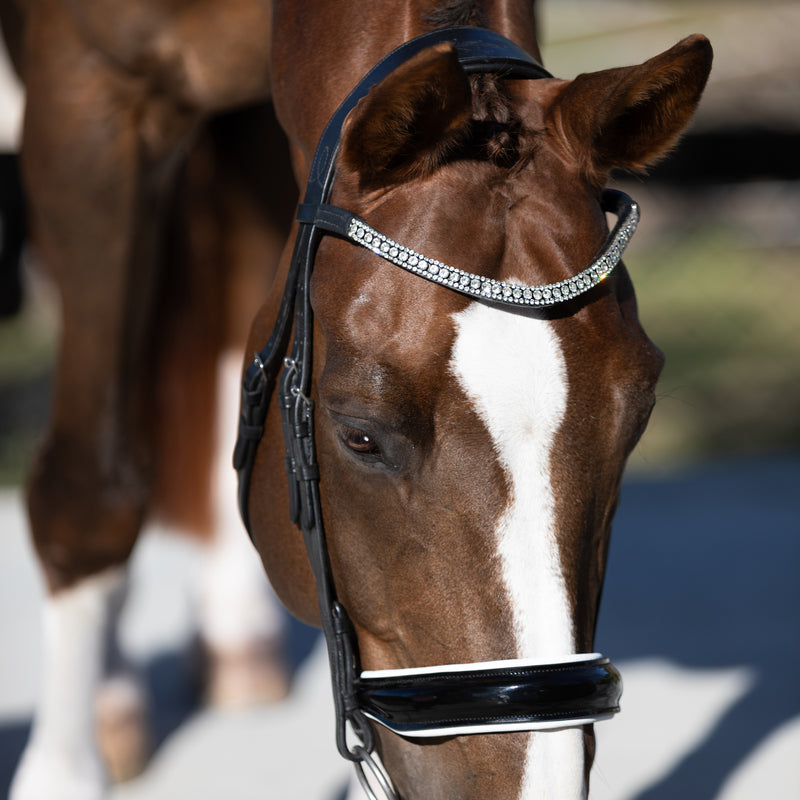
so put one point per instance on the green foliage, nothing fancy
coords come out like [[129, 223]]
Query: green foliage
[[27, 346], [727, 318]]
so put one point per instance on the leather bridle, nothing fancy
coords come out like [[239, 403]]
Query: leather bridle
[[431, 701]]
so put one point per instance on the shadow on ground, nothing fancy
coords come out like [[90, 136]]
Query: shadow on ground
[[703, 573], [174, 685]]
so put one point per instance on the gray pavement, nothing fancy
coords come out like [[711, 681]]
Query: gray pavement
[[700, 613]]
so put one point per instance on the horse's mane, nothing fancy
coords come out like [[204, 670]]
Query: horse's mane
[[498, 129], [456, 12]]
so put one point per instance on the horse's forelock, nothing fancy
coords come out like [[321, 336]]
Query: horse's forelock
[[498, 129], [456, 12]]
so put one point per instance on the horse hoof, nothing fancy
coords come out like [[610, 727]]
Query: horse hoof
[[250, 676], [122, 728]]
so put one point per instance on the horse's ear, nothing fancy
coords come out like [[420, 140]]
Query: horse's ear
[[407, 124], [628, 118]]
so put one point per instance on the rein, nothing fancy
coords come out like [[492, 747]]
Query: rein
[[512, 695]]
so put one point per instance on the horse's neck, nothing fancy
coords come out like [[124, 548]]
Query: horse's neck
[[318, 57]]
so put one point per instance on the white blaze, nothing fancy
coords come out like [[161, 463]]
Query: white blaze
[[512, 369]]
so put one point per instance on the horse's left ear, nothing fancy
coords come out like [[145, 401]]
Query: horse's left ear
[[407, 124], [628, 118]]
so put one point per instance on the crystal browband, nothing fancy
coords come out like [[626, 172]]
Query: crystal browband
[[359, 232]]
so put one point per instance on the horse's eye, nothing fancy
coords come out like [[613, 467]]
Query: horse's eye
[[360, 442]]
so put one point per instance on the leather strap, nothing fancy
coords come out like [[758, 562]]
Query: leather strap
[[479, 50]]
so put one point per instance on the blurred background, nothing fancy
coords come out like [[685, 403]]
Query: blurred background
[[702, 598]]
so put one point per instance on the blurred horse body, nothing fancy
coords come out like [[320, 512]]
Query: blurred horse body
[[159, 197]]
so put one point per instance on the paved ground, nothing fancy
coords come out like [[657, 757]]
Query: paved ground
[[700, 613]]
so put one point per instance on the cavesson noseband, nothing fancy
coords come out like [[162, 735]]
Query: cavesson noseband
[[456, 699]]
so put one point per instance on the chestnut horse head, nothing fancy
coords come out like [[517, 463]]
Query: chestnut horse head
[[467, 436]]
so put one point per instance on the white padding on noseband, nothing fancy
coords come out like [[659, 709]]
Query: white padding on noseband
[[478, 666]]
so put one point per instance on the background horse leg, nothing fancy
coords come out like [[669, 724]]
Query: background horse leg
[[241, 622], [94, 155], [61, 760], [133, 408], [254, 200], [231, 218], [121, 721]]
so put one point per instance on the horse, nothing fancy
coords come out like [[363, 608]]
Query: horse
[[462, 421], [455, 442], [160, 195]]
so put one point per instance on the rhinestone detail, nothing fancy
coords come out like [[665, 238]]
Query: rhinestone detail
[[501, 291]]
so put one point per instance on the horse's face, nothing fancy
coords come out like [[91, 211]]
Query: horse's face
[[471, 456]]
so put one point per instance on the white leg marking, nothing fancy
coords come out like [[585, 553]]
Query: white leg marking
[[61, 761], [238, 606], [240, 618], [512, 368]]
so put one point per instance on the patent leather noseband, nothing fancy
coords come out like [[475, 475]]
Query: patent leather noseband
[[430, 701]]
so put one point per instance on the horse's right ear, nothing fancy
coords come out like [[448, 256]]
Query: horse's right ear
[[407, 124], [628, 118]]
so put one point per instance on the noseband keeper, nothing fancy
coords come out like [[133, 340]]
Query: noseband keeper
[[430, 701]]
